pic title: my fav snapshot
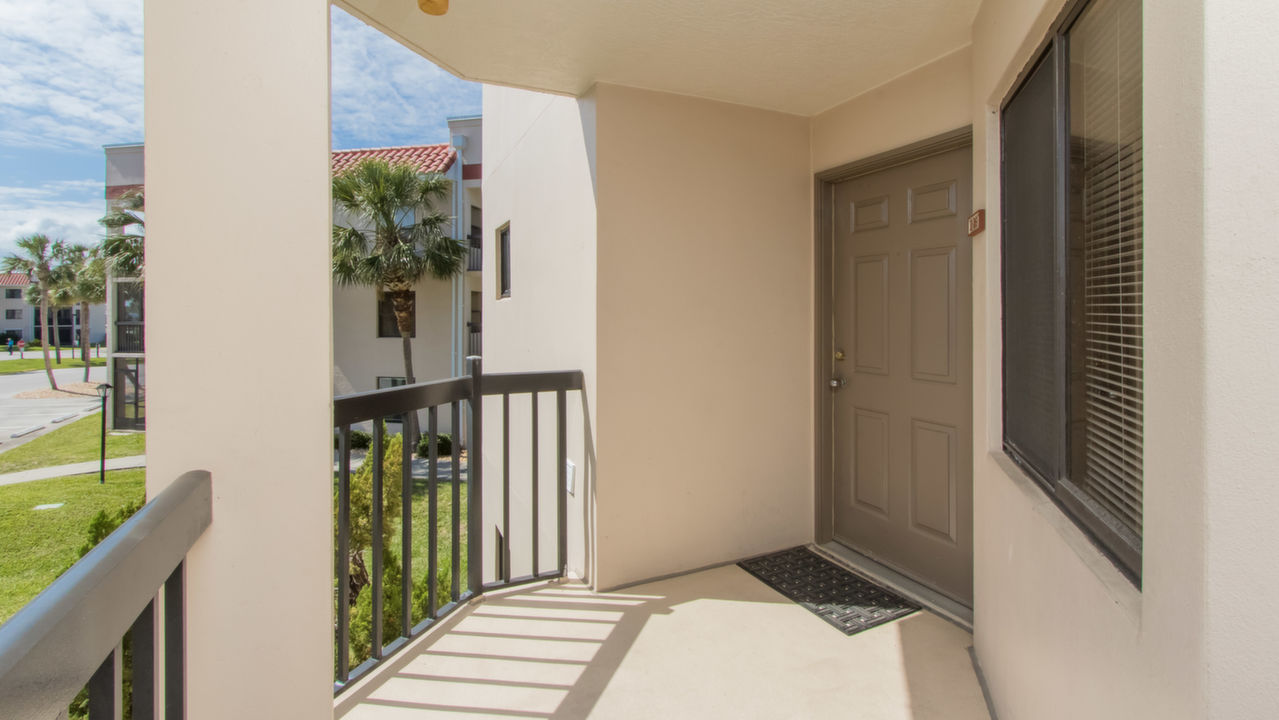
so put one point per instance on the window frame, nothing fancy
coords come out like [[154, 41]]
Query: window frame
[[503, 257], [1114, 539], [385, 301]]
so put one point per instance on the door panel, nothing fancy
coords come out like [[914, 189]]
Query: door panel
[[902, 311]]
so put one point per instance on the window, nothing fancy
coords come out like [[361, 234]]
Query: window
[[12, 294], [384, 382], [387, 327], [1072, 273], [504, 261], [12, 314]]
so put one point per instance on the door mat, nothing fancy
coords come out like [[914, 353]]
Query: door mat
[[830, 592]]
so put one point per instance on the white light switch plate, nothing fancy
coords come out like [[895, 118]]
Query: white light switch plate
[[571, 472]]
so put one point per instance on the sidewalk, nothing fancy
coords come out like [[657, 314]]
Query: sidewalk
[[81, 468]]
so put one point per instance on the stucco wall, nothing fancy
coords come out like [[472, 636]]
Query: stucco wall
[[360, 356], [924, 103], [1059, 632], [705, 333], [539, 173], [259, 582]]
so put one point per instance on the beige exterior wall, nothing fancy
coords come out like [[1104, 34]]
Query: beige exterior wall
[[360, 356], [705, 333], [1236, 273], [260, 579], [919, 105], [539, 176]]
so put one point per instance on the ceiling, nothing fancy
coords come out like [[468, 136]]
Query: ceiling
[[796, 56]]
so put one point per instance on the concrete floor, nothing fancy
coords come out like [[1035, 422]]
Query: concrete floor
[[712, 644]]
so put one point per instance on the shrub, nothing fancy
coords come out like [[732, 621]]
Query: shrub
[[360, 440], [443, 445]]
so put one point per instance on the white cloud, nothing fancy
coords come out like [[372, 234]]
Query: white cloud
[[385, 94], [72, 72], [62, 209]]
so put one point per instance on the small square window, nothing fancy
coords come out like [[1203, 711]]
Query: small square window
[[12, 294]]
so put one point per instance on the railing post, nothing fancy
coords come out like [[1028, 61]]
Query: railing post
[[474, 479], [375, 456], [561, 477]]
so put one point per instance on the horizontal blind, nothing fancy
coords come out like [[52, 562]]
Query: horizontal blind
[[1106, 263]]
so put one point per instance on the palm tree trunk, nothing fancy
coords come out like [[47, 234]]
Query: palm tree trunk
[[57, 337], [402, 304], [84, 337], [44, 330], [410, 419]]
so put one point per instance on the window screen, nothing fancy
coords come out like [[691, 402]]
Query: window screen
[[1033, 355]]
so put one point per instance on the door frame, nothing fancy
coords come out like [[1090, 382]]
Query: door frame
[[823, 301]]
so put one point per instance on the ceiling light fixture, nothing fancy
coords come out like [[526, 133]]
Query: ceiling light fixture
[[433, 7]]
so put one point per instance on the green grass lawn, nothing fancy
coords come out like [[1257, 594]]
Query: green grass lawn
[[443, 532], [78, 442], [29, 363], [38, 545]]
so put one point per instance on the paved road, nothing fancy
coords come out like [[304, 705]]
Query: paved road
[[18, 415]]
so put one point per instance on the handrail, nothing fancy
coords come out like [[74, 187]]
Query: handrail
[[432, 397], [52, 647], [371, 404]]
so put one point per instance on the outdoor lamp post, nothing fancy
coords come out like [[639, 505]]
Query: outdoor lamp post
[[103, 390]]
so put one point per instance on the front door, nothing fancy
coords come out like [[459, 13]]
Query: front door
[[902, 332]]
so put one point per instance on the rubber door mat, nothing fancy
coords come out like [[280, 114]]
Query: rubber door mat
[[836, 595]]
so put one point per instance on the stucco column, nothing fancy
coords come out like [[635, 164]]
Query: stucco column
[[239, 365], [1241, 389]]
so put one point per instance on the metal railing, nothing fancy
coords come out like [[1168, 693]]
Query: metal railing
[[474, 346], [475, 258], [56, 645], [431, 396], [129, 337]]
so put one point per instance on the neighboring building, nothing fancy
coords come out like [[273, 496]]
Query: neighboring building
[[15, 314], [367, 352], [126, 316], [21, 321], [749, 230]]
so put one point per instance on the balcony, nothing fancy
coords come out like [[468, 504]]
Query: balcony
[[130, 337], [712, 644], [475, 256], [511, 634]]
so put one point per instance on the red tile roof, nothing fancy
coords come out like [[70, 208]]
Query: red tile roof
[[14, 280], [425, 158]]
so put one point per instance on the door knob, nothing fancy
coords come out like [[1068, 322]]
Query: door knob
[[839, 355], [837, 383]]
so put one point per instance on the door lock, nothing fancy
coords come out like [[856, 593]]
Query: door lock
[[839, 355], [837, 383]]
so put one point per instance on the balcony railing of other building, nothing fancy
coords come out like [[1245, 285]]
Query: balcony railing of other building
[[70, 637], [474, 261], [474, 346], [450, 394], [129, 337]]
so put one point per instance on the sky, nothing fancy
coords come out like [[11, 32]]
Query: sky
[[71, 82]]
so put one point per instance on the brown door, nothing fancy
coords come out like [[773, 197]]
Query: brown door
[[902, 331]]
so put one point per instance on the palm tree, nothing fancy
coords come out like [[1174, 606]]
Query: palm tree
[[80, 279], [36, 261], [395, 249], [126, 233]]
